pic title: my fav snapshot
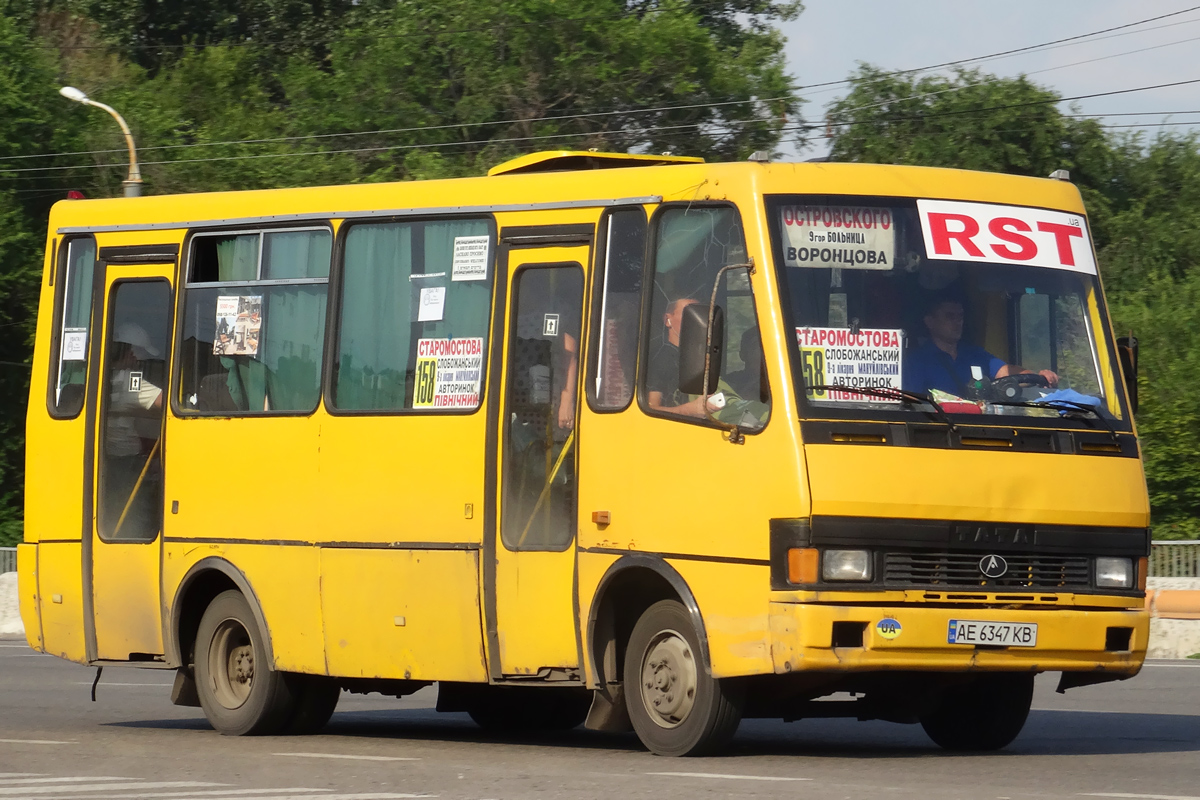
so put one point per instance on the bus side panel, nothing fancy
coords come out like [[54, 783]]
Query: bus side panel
[[592, 568], [60, 582], [31, 619], [402, 614], [284, 580], [733, 603]]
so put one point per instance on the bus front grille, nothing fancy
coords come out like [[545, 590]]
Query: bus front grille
[[945, 570]]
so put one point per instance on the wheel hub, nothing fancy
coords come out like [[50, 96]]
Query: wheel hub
[[669, 678], [231, 664]]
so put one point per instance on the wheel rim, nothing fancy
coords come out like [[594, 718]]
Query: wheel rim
[[231, 663], [669, 679]]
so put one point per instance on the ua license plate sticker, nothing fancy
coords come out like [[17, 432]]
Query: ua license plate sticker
[[1003, 634]]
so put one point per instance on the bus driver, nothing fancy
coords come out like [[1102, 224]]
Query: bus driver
[[946, 364]]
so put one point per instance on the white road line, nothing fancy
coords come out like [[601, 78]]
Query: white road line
[[723, 776], [220, 793], [366, 796], [351, 758], [89, 683], [231, 792], [22, 774], [33, 741], [22, 646], [12, 781], [1140, 796], [107, 787], [1176, 665]]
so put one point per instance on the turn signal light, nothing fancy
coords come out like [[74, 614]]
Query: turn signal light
[[1143, 564], [803, 564]]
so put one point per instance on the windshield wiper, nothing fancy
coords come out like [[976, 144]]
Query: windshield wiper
[[889, 393], [1067, 407]]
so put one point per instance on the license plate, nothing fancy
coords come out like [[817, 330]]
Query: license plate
[[1003, 634]]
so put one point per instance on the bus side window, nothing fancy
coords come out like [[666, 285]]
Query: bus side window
[[415, 309], [254, 321], [692, 244], [616, 301], [70, 363]]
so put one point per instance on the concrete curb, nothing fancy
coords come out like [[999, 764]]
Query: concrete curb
[[10, 609]]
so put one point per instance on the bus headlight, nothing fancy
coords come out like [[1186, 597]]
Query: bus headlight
[[846, 565], [1114, 573]]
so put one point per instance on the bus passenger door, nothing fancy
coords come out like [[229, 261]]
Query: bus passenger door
[[127, 402], [531, 623]]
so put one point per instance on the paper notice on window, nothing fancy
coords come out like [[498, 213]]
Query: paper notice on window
[[470, 258], [74, 344], [448, 373], [848, 237], [840, 357], [433, 304], [239, 323]]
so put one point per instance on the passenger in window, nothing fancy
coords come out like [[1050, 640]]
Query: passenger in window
[[132, 429], [662, 382], [947, 364]]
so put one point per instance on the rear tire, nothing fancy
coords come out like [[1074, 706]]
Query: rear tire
[[240, 692], [675, 705], [985, 714]]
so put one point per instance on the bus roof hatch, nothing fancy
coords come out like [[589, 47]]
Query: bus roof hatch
[[564, 160]]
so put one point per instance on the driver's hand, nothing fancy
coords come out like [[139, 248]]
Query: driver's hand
[[1051, 377]]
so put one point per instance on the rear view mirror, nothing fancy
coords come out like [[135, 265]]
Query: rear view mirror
[[1127, 352], [696, 342]]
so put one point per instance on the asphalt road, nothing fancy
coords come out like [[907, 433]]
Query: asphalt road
[[1137, 739]]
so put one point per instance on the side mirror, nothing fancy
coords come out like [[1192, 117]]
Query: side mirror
[[695, 343], [1127, 352]]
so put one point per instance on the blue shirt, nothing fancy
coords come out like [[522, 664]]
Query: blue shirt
[[929, 367]]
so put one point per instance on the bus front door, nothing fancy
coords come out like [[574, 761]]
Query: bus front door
[[127, 403], [532, 624]]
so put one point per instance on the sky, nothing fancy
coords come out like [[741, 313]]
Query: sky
[[831, 37]]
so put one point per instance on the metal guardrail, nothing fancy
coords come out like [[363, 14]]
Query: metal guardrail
[[1180, 559], [8, 559]]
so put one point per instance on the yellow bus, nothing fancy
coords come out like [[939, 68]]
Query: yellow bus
[[633, 441]]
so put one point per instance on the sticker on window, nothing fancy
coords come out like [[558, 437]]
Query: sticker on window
[[74, 344], [448, 373], [1006, 235], [470, 258], [843, 357], [432, 304], [849, 237], [239, 323]]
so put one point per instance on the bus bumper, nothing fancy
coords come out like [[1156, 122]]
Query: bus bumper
[[912, 638]]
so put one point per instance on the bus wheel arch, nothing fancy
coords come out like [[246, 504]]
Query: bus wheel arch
[[630, 586], [207, 579]]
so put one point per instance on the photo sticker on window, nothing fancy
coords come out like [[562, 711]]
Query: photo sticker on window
[[74, 344], [849, 237], [868, 358], [239, 323]]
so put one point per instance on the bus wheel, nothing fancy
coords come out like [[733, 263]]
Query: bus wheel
[[239, 691], [316, 698], [985, 714], [676, 707]]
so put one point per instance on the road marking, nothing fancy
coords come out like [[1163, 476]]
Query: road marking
[[1179, 665], [107, 787], [352, 758], [12, 781], [218, 793], [33, 741], [723, 776], [366, 796], [22, 774], [89, 683], [1140, 796], [22, 646]]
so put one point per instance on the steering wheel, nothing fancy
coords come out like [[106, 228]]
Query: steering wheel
[[1009, 387]]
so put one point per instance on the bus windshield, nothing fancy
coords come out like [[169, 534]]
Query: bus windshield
[[984, 309]]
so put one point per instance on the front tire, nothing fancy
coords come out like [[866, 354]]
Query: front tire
[[675, 705], [240, 692], [985, 714]]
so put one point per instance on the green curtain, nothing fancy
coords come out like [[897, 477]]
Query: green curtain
[[468, 303], [293, 330], [237, 258], [296, 254], [375, 332]]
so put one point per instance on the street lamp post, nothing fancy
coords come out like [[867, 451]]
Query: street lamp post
[[132, 184]]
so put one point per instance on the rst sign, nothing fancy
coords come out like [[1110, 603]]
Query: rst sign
[[1005, 234]]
